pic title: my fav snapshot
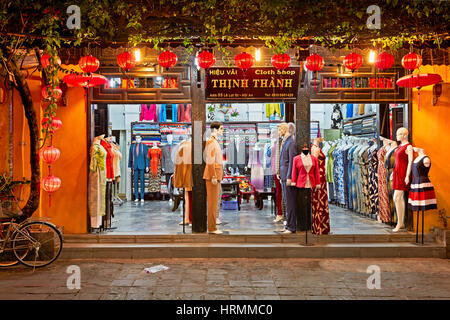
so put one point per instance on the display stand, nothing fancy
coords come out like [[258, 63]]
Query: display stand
[[184, 211], [106, 223], [417, 228]]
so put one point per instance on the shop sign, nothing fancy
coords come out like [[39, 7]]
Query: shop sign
[[255, 83]]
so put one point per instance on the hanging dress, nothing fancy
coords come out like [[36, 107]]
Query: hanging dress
[[257, 170], [383, 197], [97, 184], [390, 163], [319, 201], [154, 177], [373, 181], [421, 196]]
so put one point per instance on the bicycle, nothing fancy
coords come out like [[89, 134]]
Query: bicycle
[[31, 242]]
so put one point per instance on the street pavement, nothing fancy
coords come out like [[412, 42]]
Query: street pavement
[[236, 279]]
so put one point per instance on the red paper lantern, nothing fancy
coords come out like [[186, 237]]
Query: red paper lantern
[[45, 60], [89, 64], [51, 183], [384, 61], [49, 154], [244, 61], [411, 61], [281, 61], [126, 60], [85, 81], [167, 59], [314, 63], [206, 59], [353, 61], [55, 125], [57, 92]]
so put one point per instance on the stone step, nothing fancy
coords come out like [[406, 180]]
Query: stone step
[[251, 250], [257, 238]]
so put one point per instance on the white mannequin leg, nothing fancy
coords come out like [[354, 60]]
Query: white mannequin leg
[[400, 208]]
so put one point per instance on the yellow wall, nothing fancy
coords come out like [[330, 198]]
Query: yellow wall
[[430, 131], [4, 136], [69, 204]]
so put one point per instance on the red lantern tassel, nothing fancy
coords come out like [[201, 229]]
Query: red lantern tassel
[[418, 100]]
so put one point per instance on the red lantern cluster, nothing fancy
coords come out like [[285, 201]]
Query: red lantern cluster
[[411, 61], [384, 61], [89, 64], [126, 60], [167, 59], [57, 92], [244, 61], [55, 125], [45, 60], [206, 59], [281, 61]]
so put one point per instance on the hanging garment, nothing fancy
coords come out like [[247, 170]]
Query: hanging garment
[[390, 163], [319, 201], [346, 176], [116, 161], [364, 163], [351, 180], [349, 110], [182, 177], [336, 117], [272, 108], [148, 113], [422, 196], [257, 170], [174, 113], [361, 109], [373, 180], [400, 169], [187, 113], [109, 159], [97, 184], [162, 116], [383, 197]]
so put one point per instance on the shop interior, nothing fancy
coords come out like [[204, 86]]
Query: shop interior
[[248, 193], [355, 139]]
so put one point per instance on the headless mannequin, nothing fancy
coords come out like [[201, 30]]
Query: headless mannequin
[[216, 133], [420, 155], [399, 199]]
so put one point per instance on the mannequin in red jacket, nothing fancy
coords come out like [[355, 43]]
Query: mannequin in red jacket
[[305, 176]]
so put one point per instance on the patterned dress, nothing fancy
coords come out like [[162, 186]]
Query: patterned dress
[[97, 184], [154, 176], [365, 180], [339, 175], [373, 180], [383, 197], [390, 163], [319, 200]]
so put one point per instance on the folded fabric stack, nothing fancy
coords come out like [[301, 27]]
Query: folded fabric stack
[[348, 127], [369, 125], [357, 126]]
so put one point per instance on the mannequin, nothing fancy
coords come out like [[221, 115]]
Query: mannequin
[[305, 176], [167, 164], [401, 175], [288, 151], [138, 162], [154, 181], [182, 177], [421, 196], [319, 197], [213, 174]]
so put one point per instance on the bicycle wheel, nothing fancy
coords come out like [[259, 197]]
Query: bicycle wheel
[[7, 257], [37, 244]]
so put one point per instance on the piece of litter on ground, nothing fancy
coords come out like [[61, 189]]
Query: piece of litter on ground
[[157, 268]]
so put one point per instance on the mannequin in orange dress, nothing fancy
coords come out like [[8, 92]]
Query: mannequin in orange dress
[[154, 154]]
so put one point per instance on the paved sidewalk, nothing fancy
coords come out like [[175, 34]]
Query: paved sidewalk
[[232, 279]]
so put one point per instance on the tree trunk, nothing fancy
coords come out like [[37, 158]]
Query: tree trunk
[[25, 95]]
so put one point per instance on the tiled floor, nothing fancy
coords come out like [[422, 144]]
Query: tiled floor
[[156, 217]]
